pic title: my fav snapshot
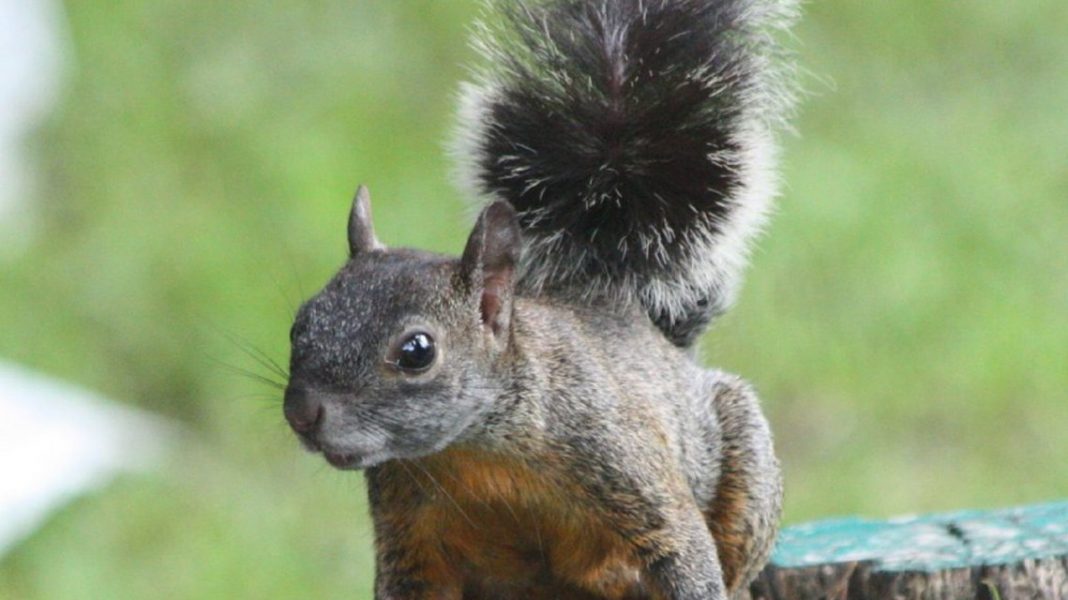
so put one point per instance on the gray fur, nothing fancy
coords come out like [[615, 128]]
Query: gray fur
[[646, 433], [566, 394]]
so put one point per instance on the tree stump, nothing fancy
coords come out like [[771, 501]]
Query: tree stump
[[983, 555]]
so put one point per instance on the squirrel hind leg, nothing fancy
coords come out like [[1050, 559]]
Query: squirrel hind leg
[[744, 512]]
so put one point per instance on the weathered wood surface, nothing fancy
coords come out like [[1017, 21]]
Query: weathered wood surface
[[1019, 553]]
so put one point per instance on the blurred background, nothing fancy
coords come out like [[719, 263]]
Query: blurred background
[[177, 179]]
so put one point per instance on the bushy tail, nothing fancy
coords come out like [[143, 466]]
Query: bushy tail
[[635, 140]]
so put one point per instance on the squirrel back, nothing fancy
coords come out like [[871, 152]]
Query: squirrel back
[[635, 139]]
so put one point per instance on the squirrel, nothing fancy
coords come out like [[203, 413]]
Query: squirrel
[[531, 417]]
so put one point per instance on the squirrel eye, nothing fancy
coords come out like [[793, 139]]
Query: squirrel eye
[[416, 353]]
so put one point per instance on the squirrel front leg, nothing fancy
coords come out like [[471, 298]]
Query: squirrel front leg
[[745, 510], [645, 499], [686, 565], [407, 563]]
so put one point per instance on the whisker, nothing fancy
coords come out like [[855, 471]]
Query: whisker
[[511, 511], [250, 374], [261, 357], [402, 463], [446, 493], [249, 349], [294, 271], [286, 299], [269, 362], [258, 396]]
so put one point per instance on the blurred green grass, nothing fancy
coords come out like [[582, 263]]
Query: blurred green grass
[[905, 319]]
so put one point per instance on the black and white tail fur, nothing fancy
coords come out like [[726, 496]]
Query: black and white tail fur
[[635, 138]]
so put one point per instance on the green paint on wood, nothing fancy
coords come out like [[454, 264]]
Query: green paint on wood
[[930, 543]]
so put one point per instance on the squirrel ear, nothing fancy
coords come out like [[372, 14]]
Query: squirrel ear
[[361, 230], [488, 265]]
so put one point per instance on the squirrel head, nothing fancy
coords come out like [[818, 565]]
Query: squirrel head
[[398, 355]]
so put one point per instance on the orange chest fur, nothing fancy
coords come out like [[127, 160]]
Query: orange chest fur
[[489, 516]]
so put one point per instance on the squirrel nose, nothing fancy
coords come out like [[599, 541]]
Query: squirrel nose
[[302, 410]]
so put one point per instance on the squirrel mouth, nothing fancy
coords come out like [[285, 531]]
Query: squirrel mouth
[[343, 461], [339, 460], [354, 461]]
